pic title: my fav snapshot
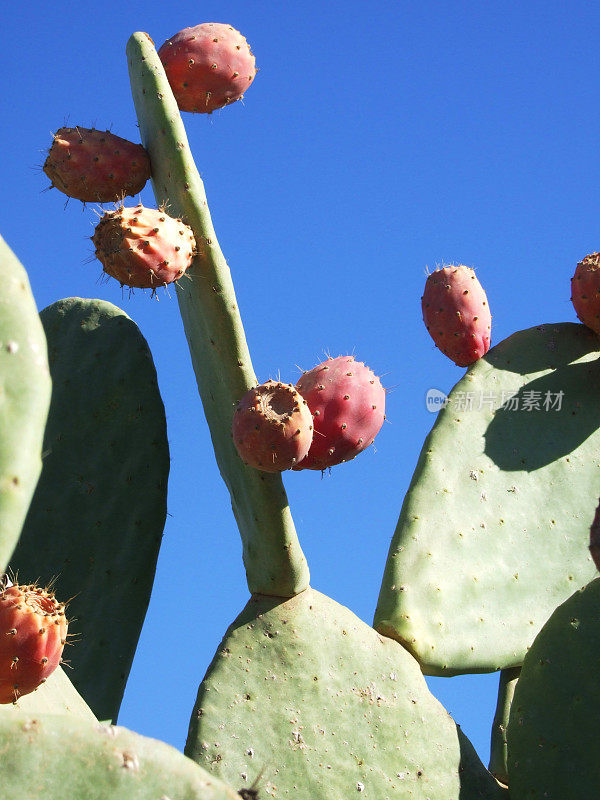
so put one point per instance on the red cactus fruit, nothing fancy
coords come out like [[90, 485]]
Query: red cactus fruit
[[96, 166], [272, 427], [33, 631], [142, 247], [208, 66], [585, 291], [456, 314], [347, 402]]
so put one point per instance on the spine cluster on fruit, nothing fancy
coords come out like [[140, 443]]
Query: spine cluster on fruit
[[585, 291], [272, 427], [208, 66]]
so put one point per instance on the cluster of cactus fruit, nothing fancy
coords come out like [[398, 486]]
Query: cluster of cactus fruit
[[332, 414], [507, 499]]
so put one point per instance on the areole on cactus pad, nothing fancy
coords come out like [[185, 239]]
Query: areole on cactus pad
[[347, 402], [456, 314], [33, 632], [96, 166], [143, 248]]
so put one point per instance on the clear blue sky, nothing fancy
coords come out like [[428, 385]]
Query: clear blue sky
[[378, 139]]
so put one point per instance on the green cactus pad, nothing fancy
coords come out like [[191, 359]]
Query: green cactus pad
[[96, 520], [24, 399], [553, 725], [56, 696], [315, 704], [494, 530], [46, 757], [273, 558]]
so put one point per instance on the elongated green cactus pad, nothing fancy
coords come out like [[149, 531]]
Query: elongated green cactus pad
[[24, 399], [47, 757], [553, 725], [96, 520], [319, 705], [494, 530]]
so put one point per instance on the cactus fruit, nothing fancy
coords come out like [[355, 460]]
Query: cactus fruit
[[96, 166], [143, 248], [272, 427], [107, 433], [208, 66], [347, 402], [33, 631], [456, 314], [585, 291]]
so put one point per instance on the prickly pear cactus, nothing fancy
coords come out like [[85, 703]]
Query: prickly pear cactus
[[553, 725], [25, 392], [494, 529], [103, 490]]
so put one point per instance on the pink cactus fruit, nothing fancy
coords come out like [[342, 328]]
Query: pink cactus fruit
[[456, 314], [347, 402], [272, 427], [585, 291], [96, 166], [143, 247], [208, 66], [33, 632]]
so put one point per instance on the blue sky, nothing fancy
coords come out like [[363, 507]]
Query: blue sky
[[377, 140]]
